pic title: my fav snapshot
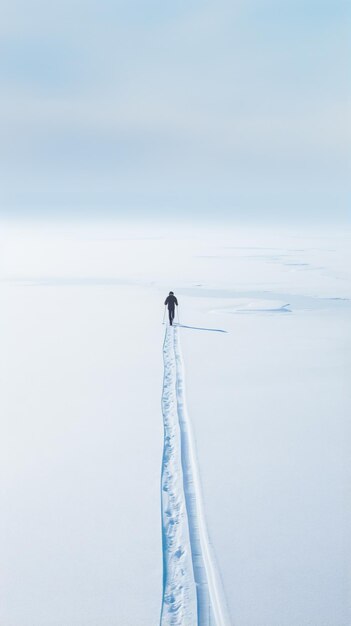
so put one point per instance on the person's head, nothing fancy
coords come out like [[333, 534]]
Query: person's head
[[171, 293]]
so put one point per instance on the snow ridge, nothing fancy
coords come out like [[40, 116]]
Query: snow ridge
[[191, 591]]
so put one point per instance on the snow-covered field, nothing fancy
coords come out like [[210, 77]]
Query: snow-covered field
[[82, 438]]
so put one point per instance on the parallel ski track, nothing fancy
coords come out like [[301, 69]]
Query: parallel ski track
[[192, 593]]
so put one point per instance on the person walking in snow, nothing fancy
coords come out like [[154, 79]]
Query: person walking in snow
[[170, 302]]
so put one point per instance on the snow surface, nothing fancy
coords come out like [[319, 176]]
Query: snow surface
[[82, 432]]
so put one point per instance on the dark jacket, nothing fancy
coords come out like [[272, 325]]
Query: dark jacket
[[171, 301]]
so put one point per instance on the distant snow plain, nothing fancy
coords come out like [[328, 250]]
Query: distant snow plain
[[81, 309]]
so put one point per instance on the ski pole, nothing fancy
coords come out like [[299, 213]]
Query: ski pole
[[178, 314], [164, 315]]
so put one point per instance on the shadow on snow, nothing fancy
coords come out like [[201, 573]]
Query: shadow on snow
[[212, 330]]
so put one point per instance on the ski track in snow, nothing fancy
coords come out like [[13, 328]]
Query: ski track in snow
[[192, 593]]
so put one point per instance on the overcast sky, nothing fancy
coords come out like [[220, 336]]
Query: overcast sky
[[216, 108]]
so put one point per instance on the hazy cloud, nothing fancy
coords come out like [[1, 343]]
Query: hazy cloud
[[190, 106]]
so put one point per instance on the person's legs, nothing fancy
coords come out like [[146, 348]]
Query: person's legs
[[171, 316]]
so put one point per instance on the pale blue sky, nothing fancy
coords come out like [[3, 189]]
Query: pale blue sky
[[210, 108]]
